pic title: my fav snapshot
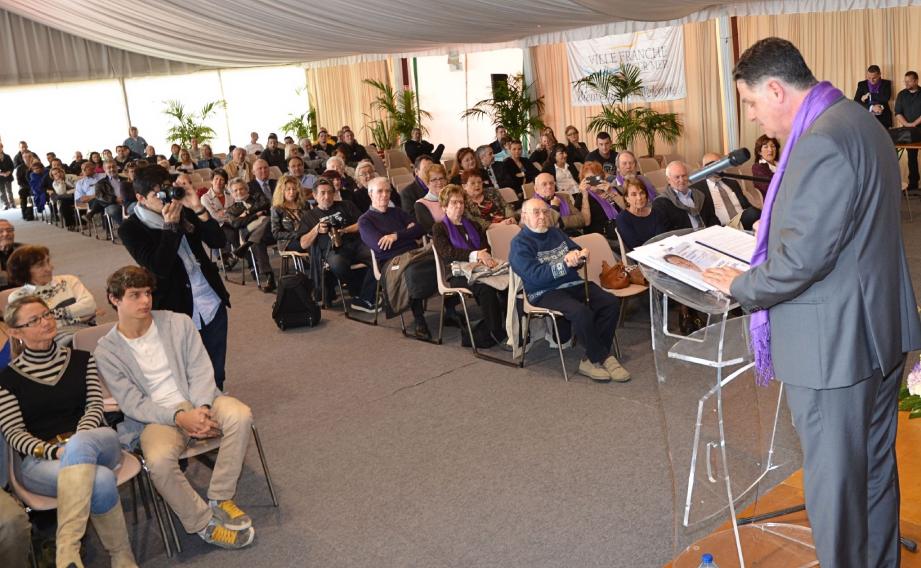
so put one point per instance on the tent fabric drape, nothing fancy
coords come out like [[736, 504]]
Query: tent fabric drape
[[32, 53], [700, 112], [342, 98]]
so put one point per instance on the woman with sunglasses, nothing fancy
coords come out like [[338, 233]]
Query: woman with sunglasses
[[51, 414]]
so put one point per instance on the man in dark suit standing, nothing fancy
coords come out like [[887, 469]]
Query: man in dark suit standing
[[908, 113], [874, 94], [728, 199], [832, 306], [261, 182], [682, 206]]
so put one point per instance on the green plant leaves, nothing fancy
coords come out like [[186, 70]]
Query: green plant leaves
[[189, 125], [512, 107]]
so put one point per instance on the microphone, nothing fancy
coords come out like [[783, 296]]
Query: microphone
[[735, 158]]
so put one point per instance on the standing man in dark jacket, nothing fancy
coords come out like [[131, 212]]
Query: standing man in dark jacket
[[908, 113], [166, 238], [874, 94], [6, 179]]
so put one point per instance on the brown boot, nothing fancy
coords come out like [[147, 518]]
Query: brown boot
[[111, 529], [75, 488]]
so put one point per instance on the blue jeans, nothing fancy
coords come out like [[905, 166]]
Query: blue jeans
[[97, 446], [214, 338]]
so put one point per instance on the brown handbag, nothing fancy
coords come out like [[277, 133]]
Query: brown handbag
[[636, 275], [614, 277]]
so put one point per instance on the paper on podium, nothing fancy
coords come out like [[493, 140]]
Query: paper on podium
[[685, 257]]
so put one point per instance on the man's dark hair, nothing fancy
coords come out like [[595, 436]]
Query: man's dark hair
[[912, 74], [272, 136], [422, 158], [128, 277], [777, 58], [344, 147], [22, 260], [322, 181], [298, 158], [498, 126], [150, 179], [603, 136], [873, 69]]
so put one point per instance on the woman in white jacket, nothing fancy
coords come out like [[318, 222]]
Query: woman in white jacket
[[72, 304]]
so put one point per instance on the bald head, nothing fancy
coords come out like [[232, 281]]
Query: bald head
[[535, 214]]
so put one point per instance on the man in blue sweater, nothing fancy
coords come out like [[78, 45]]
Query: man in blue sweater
[[548, 263]]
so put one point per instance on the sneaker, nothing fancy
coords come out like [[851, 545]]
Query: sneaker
[[616, 370], [230, 516], [595, 372], [223, 537], [361, 305]]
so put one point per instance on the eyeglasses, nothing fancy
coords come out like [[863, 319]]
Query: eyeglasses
[[441, 179], [36, 320]]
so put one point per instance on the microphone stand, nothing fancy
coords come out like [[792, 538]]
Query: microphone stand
[[748, 178]]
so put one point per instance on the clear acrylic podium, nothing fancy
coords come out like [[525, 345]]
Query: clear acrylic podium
[[725, 436]]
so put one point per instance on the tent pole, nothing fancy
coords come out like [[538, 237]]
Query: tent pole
[[121, 83], [727, 87]]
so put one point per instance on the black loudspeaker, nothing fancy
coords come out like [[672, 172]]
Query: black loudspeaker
[[498, 80]]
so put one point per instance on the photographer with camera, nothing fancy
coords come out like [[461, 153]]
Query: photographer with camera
[[330, 231], [165, 235]]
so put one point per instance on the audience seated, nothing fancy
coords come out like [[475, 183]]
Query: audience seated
[[324, 143], [408, 273], [288, 207], [314, 158], [8, 244], [254, 147], [63, 194], [238, 166], [626, 169], [71, 303], [36, 178], [329, 232], [337, 164], [273, 155], [576, 151], [305, 181], [604, 154], [216, 201], [494, 172], [51, 395], [605, 200], [639, 222], [167, 237], [355, 152], [261, 182], [427, 209], [541, 153], [682, 206], [75, 166], [416, 146], [416, 189], [496, 144], [548, 263], [729, 203], [458, 239], [122, 156], [249, 215], [485, 206], [557, 164], [96, 160], [464, 160], [207, 159], [158, 371], [174, 159], [566, 214], [519, 170], [364, 173], [767, 152]]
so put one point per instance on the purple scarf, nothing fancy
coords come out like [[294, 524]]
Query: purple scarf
[[874, 87], [650, 191], [457, 240], [564, 206], [816, 102], [609, 210]]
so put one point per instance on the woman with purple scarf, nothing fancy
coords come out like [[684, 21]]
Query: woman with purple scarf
[[833, 311], [457, 238]]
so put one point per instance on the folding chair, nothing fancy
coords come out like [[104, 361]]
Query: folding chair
[[378, 298], [463, 293], [500, 239], [397, 158], [648, 163], [657, 179], [528, 190], [509, 195], [531, 311]]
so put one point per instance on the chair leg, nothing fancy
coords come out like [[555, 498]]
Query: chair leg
[[345, 308], [265, 465], [559, 346], [441, 321], [252, 257], [469, 326], [134, 499], [527, 336], [155, 500]]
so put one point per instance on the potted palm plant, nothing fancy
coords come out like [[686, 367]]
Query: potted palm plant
[[191, 125], [398, 115], [302, 125], [629, 124], [511, 106]]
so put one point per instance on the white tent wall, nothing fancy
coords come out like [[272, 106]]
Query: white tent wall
[[446, 93]]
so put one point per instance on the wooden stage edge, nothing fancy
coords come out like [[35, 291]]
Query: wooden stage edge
[[908, 450]]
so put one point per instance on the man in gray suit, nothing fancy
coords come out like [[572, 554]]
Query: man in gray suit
[[842, 312]]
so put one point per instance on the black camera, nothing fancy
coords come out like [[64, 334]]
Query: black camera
[[334, 221], [174, 193]]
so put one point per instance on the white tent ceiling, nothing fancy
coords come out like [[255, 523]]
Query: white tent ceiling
[[242, 33]]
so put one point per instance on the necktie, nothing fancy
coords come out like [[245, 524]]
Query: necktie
[[492, 176], [727, 201], [265, 188]]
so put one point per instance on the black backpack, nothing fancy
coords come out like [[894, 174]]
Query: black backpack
[[294, 305]]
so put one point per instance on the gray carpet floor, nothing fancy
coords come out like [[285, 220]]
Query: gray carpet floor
[[389, 452]]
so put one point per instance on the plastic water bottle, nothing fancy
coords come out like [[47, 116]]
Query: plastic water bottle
[[706, 561]]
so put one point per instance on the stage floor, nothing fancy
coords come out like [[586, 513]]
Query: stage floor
[[908, 449]]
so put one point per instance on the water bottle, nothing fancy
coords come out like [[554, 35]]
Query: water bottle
[[706, 561]]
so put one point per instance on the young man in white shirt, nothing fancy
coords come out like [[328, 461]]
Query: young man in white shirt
[[157, 369]]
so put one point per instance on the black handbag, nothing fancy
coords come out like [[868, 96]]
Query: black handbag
[[905, 134]]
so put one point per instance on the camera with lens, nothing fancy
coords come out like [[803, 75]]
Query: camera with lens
[[173, 193], [334, 223]]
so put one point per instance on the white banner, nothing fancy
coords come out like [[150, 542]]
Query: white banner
[[658, 53]]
